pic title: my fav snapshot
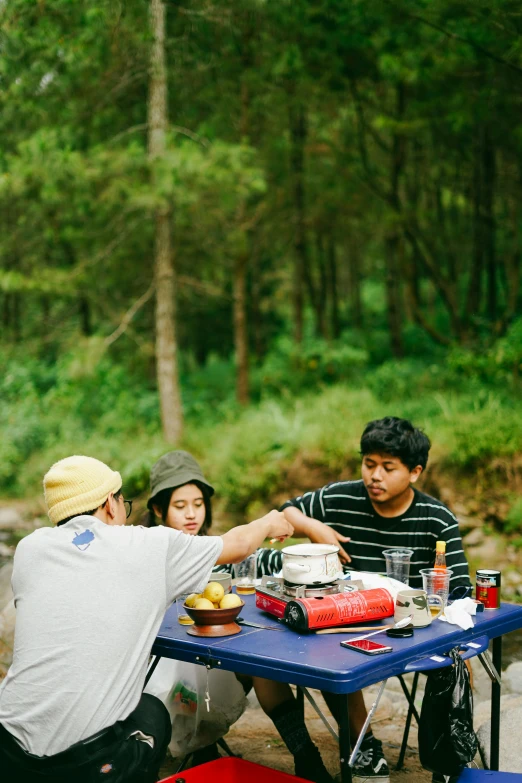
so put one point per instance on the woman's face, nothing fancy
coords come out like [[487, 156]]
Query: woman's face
[[186, 510]]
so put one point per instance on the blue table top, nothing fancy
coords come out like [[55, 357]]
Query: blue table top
[[319, 661]]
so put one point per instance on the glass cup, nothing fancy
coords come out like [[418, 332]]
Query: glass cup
[[245, 575], [183, 618], [436, 582], [398, 564]]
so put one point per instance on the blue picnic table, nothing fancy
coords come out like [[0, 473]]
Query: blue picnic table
[[318, 661]]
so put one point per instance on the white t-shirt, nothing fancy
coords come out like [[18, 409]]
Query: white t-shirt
[[89, 600]]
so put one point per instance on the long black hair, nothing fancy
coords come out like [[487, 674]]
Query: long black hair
[[162, 501]]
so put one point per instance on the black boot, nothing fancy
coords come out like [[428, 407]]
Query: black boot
[[309, 765], [288, 718], [203, 755]]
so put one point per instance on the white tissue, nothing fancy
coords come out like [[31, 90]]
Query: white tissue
[[459, 613]]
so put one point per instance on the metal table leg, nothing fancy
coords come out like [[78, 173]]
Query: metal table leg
[[411, 712], [495, 706], [344, 740], [151, 668], [299, 695]]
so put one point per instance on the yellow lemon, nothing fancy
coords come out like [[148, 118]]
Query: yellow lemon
[[191, 599], [214, 592], [230, 600], [216, 606], [203, 603]]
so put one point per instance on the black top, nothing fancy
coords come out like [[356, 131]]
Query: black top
[[346, 506]]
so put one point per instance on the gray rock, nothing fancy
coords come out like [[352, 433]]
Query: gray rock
[[6, 594], [474, 538], [7, 625], [510, 754], [9, 518], [512, 677], [481, 682], [6, 551], [482, 711], [512, 578]]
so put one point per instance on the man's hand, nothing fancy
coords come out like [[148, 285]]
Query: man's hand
[[243, 540], [319, 533], [278, 526]]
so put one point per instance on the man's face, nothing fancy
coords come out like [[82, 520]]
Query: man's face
[[386, 477]]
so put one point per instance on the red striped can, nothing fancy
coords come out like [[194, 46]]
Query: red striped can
[[488, 588]]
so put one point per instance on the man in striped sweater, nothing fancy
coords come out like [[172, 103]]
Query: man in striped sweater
[[380, 511]]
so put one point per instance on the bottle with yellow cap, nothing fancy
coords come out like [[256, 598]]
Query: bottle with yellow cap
[[439, 582], [440, 556]]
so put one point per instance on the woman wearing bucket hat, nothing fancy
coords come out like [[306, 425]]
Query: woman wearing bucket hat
[[180, 497]]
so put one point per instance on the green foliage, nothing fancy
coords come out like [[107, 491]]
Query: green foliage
[[51, 410], [290, 368], [498, 363], [514, 519]]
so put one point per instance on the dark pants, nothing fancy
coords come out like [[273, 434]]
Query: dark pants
[[113, 756]]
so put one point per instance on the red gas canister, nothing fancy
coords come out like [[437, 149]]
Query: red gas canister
[[307, 614]]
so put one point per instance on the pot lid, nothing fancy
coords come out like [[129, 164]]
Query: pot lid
[[311, 550]]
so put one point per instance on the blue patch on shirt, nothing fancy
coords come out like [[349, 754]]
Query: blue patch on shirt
[[83, 540]]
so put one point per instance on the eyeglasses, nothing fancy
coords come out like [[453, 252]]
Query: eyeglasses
[[128, 508]]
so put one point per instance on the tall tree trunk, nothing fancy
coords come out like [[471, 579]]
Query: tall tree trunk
[[85, 316], [164, 272], [489, 176], [354, 281], [474, 293], [255, 309], [335, 327], [298, 133], [322, 288], [242, 254], [393, 293], [393, 240], [240, 329], [17, 326]]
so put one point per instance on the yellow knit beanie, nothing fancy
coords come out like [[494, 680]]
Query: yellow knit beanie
[[77, 484]]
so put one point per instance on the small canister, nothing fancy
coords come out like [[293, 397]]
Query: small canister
[[488, 588]]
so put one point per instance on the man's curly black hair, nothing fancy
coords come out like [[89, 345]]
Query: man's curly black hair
[[397, 437]]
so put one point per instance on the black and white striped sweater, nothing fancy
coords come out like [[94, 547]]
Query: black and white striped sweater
[[345, 506]]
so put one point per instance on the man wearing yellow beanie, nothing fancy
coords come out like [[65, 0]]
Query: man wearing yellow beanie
[[90, 596]]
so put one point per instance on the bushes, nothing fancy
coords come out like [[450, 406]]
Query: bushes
[[50, 410], [289, 368]]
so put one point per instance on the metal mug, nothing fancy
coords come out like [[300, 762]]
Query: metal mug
[[415, 603]]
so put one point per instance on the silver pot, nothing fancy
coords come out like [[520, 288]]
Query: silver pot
[[309, 564]]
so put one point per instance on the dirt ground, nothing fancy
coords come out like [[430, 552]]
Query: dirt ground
[[255, 738]]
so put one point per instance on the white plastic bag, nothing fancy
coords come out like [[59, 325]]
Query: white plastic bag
[[182, 687]]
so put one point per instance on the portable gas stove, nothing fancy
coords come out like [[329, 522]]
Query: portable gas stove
[[309, 607]]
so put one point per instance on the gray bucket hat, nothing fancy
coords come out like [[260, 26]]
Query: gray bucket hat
[[173, 470]]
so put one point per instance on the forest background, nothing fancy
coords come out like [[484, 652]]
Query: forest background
[[248, 228]]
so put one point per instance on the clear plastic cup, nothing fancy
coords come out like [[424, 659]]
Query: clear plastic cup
[[398, 564], [245, 575], [436, 581]]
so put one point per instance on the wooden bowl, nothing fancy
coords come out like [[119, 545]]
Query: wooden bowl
[[213, 622]]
